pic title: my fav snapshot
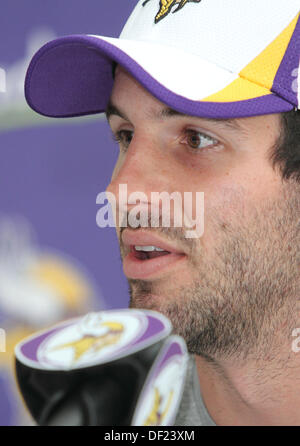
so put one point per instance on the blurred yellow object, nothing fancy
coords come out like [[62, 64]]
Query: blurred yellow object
[[63, 279]]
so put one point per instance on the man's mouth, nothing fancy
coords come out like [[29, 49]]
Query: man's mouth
[[146, 255], [148, 252]]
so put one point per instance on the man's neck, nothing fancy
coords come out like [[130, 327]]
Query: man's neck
[[252, 393]]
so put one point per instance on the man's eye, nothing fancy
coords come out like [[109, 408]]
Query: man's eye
[[123, 137], [198, 141]]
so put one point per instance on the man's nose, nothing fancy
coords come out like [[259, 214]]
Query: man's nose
[[143, 168]]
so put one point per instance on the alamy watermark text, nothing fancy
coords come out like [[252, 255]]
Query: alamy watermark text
[[163, 210]]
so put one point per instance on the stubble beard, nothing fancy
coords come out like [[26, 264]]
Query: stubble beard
[[242, 301]]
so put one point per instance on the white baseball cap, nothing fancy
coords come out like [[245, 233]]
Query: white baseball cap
[[207, 58]]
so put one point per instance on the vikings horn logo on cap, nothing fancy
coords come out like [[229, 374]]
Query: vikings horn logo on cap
[[165, 7]]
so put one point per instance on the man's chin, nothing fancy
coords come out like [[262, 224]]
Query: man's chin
[[147, 301]]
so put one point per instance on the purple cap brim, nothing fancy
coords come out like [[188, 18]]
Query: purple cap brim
[[72, 76]]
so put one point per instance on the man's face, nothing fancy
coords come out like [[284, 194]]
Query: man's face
[[224, 290]]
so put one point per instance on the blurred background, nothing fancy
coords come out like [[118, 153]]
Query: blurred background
[[55, 262]]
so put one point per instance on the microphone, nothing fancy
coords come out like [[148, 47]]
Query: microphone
[[111, 368]]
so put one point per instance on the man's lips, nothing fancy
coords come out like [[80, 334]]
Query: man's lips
[[134, 265]]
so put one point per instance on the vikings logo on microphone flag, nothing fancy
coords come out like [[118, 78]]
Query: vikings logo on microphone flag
[[165, 7]]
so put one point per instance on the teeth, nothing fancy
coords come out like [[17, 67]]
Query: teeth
[[148, 248]]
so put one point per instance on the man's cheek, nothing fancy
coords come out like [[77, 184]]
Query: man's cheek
[[224, 210]]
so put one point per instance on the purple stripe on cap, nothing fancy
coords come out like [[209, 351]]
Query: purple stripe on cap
[[72, 76], [285, 77]]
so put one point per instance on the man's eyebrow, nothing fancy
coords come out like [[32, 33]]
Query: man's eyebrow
[[168, 112], [111, 110]]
